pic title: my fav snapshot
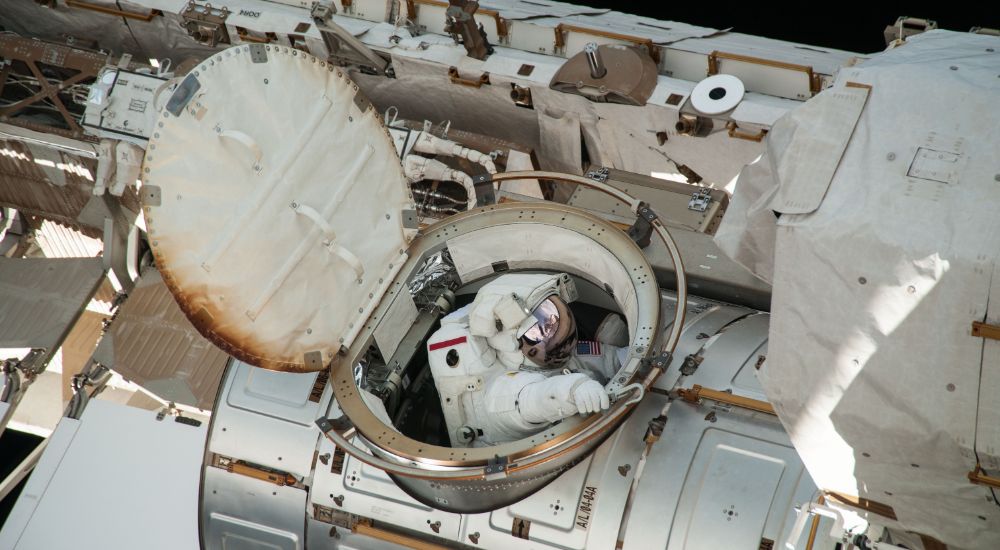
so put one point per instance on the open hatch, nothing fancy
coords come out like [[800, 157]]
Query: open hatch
[[282, 223]]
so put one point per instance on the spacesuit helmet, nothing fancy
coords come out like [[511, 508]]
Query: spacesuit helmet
[[550, 341]]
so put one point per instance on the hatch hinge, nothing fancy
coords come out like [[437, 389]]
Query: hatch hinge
[[985, 330]]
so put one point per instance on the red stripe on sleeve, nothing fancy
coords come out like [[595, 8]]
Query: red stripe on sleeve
[[446, 343]]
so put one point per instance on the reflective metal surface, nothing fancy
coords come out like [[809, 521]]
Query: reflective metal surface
[[477, 479]]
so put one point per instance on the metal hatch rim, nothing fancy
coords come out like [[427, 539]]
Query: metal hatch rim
[[594, 426]]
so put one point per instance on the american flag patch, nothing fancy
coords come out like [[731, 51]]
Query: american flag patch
[[588, 348]]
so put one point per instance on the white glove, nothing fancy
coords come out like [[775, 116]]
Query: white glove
[[590, 397]]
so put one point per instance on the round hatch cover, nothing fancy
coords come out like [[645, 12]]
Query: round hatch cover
[[275, 205]]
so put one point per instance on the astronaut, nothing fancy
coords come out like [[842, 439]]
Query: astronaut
[[506, 366]]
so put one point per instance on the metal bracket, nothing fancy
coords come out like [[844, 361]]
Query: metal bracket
[[979, 477], [340, 424], [206, 24], [30, 364], [258, 53], [597, 174], [457, 78], [239, 467], [496, 467], [313, 360], [460, 22], [700, 200], [484, 192], [642, 230], [14, 387], [410, 219], [95, 376], [655, 429], [342, 47], [362, 102], [734, 132], [661, 361], [520, 528], [985, 330], [690, 364]]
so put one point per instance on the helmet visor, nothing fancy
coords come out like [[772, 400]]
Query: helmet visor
[[549, 342]]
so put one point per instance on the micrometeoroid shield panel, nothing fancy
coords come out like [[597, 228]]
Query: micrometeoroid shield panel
[[273, 197]]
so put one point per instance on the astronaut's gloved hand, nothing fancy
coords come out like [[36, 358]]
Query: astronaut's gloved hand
[[590, 397]]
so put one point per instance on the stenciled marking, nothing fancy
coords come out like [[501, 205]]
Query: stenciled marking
[[585, 509]]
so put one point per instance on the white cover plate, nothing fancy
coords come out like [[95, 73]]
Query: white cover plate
[[707, 99], [274, 206], [115, 462]]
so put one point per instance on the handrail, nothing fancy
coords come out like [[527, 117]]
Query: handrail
[[113, 11]]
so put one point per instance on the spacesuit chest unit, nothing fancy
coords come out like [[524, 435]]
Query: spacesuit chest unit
[[497, 361]]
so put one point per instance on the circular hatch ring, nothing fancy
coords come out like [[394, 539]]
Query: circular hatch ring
[[457, 479]]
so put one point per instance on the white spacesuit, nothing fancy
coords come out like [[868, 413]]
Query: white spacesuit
[[506, 365]]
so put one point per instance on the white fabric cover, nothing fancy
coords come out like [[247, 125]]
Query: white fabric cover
[[871, 367], [279, 221]]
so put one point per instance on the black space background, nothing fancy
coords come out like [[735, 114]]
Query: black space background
[[851, 26]]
